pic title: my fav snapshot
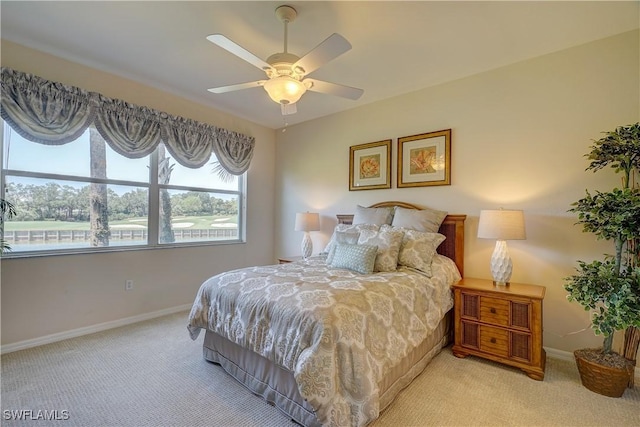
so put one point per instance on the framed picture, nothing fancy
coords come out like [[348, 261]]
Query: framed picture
[[424, 159], [370, 166]]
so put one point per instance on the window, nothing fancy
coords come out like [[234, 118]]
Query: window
[[83, 197]]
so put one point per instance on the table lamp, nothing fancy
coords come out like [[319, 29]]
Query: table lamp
[[501, 225], [307, 222]]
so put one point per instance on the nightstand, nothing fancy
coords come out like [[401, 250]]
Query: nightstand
[[500, 323], [289, 259]]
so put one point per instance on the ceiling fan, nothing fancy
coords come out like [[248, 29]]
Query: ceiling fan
[[286, 72]]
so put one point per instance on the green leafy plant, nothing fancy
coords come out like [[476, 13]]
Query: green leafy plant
[[611, 288], [7, 211], [619, 149], [613, 297]]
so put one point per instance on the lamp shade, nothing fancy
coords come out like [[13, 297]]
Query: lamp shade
[[307, 222], [285, 89], [501, 224]]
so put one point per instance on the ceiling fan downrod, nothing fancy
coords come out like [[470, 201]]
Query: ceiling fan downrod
[[286, 14]]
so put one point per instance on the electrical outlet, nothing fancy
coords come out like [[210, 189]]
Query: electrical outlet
[[128, 285]]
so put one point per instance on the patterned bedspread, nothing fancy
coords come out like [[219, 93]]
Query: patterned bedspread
[[338, 331]]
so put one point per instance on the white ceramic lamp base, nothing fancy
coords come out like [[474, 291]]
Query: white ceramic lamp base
[[307, 245], [501, 265]]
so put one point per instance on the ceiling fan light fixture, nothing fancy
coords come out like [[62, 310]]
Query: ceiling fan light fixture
[[285, 89], [286, 73]]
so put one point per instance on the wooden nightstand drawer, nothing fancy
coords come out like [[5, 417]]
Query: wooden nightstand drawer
[[494, 311], [494, 341]]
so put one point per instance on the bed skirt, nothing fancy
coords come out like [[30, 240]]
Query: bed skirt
[[278, 387]]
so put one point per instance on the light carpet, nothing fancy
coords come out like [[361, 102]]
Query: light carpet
[[152, 374]]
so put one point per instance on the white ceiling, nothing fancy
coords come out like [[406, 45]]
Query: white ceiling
[[398, 47]]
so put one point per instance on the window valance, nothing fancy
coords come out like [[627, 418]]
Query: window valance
[[52, 113]]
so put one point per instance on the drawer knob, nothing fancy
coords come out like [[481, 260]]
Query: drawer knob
[[493, 340], [493, 310]]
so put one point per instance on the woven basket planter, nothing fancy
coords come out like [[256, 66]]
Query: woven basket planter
[[602, 379]]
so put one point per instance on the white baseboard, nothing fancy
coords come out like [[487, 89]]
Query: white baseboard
[[48, 339], [568, 356], [559, 354]]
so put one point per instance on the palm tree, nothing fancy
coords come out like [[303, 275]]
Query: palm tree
[[98, 214], [164, 176]]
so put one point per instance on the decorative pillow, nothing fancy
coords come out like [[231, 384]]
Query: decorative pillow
[[350, 237], [350, 228], [376, 216], [428, 220], [388, 243], [418, 249], [359, 258]]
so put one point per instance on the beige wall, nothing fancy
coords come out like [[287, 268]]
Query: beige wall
[[519, 134], [49, 295]]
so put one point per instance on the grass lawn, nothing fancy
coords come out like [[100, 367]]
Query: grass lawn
[[182, 222]]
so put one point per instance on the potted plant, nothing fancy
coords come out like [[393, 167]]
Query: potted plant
[[611, 288], [7, 210]]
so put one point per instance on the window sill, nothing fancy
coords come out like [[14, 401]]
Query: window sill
[[84, 251]]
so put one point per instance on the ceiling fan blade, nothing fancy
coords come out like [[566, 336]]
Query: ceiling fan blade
[[334, 46], [334, 89], [238, 51], [288, 109], [224, 89]]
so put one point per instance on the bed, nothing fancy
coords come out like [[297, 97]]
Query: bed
[[329, 345]]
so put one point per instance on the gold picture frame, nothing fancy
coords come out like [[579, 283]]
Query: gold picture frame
[[424, 159], [370, 166]]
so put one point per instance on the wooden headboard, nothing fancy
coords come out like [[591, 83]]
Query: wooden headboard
[[452, 227]]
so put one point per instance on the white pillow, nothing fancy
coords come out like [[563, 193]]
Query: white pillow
[[388, 243], [359, 258], [428, 220], [348, 227], [376, 216], [418, 249]]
